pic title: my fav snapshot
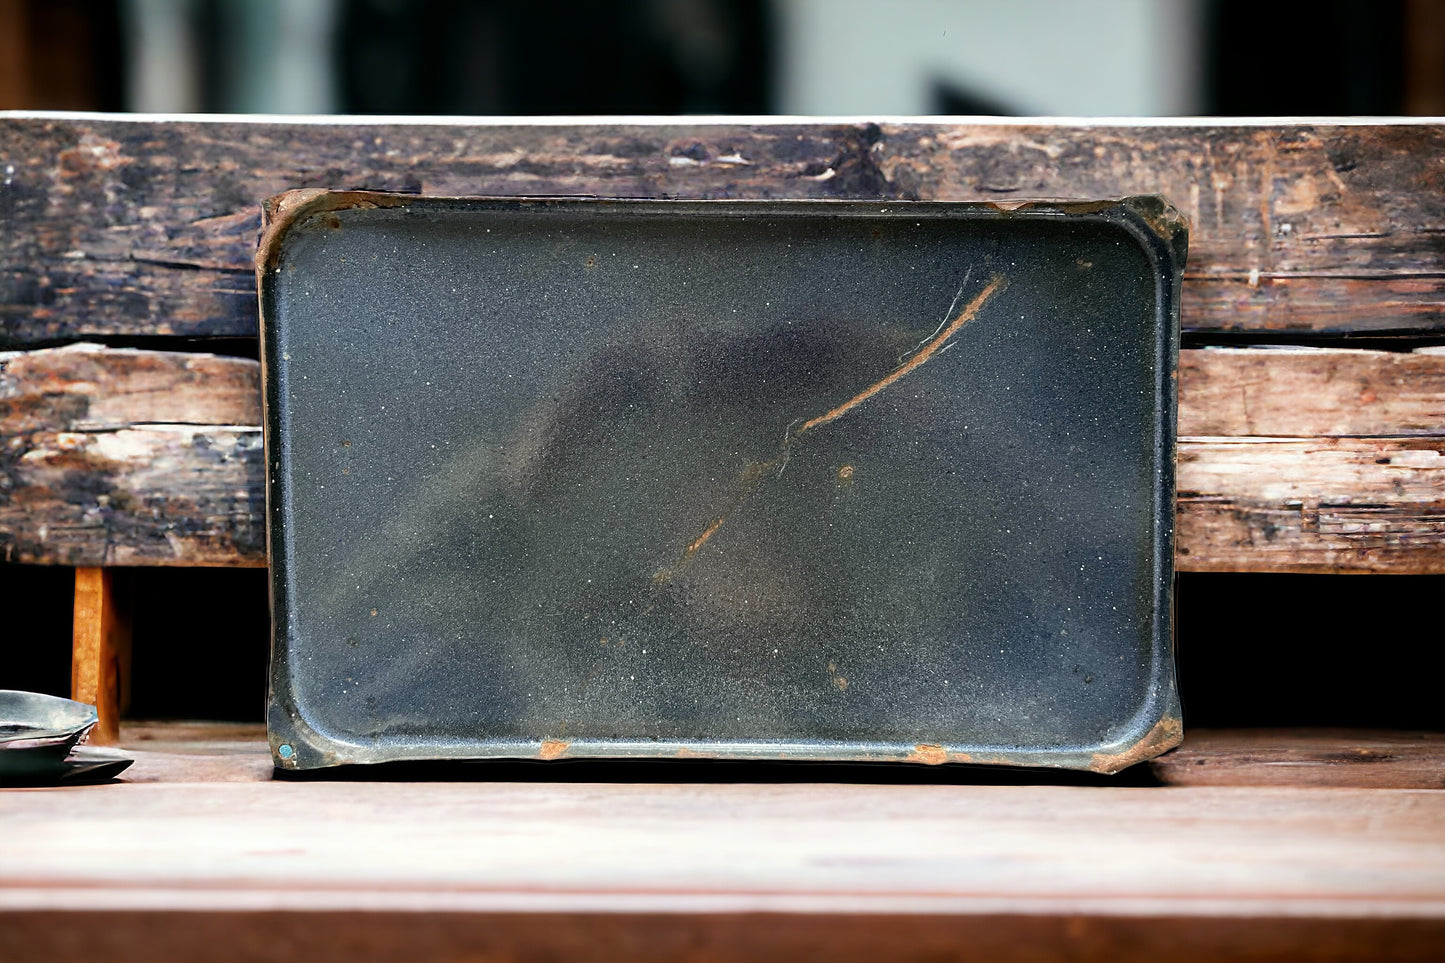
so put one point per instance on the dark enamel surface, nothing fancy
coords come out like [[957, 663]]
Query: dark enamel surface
[[861, 481]]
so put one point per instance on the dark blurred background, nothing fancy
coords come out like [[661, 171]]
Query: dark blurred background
[[849, 57], [1254, 649]]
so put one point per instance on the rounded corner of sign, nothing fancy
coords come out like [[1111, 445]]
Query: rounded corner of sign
[[1164, 219], [297, 745], [1162, 731]]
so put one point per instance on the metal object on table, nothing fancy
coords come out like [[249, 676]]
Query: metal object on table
[[34, 719], [40, 738], [752, 480]]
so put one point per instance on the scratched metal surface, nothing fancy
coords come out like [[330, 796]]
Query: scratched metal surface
[[851, 481]]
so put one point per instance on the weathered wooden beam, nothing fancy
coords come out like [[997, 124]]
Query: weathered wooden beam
[[88, 388], [1358, 758], [1268, 392], [1325, 392], [1318, 461], [151, 495], [1311, 504], [113, 226], [126, 457], [100, 649]]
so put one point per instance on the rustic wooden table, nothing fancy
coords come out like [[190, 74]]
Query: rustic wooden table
[[202, 853]]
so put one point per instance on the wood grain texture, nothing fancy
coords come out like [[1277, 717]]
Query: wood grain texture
[[127, 457], [150, 495], [709, 847], [1305, 757], [203, 752], [239, 866], [1311, 505], [134, 227], [88, 388], [820, 937], [1317, 392], [209, 752]]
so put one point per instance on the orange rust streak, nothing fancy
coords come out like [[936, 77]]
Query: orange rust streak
[[553, 748], [701, 540], [754, 473], [969, 312], [928, 754]]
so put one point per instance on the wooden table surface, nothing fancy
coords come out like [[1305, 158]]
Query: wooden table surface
[[202, 835]]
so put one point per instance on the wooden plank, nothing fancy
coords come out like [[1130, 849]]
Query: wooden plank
[[1268, 392], [1424, 43], [205, 752], [150, 495], [1311, 392], [1305, 757], [88, 388], [125, 457], [304, 936], [834, 849], [15, 54], [1311, 505], [194, 736], [1239, 535], [835, 871], [100, 650], [116, 226]]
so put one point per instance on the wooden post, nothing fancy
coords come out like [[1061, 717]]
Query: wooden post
[[100, 648]]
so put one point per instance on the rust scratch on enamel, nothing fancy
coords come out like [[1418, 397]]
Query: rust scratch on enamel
[[969, 312], [755, 472]]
